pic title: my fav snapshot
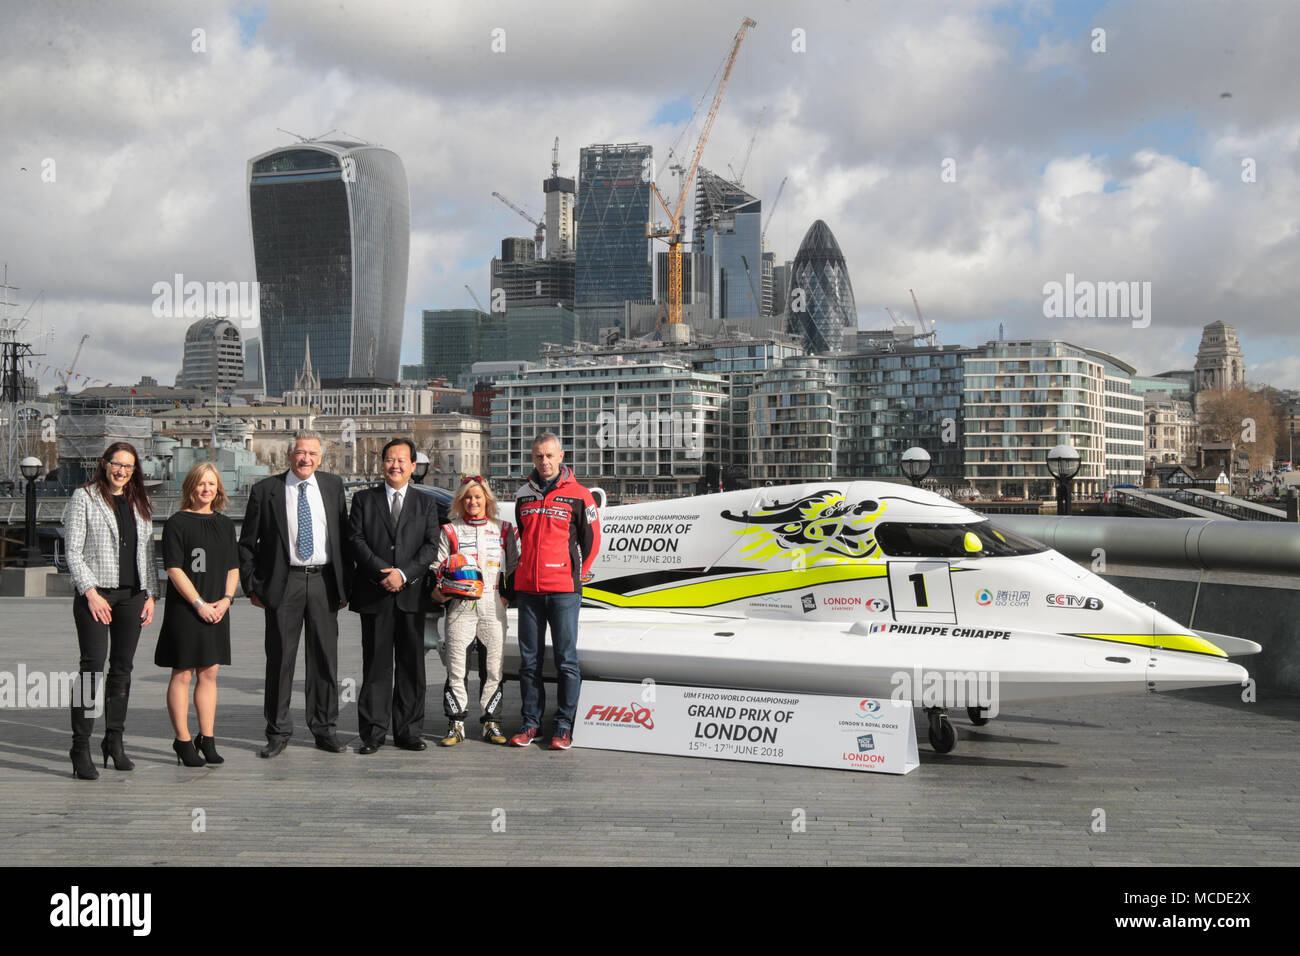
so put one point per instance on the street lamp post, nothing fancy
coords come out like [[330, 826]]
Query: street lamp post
[[1063, 462], [916, 465], [31, 468]]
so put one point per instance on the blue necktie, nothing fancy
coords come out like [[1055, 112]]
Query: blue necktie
[[305, 545]]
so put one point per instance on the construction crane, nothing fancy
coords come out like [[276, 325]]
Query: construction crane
[[474, 297], [920, 318], [672, 233], [555, 159], [753, 293], [66, 374], [739, 176], [771, 210], [922, 335], [540, 235]]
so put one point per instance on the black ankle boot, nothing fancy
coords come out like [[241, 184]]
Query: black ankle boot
[[186, 754], [83, 767], [208, 747], [112, 747]]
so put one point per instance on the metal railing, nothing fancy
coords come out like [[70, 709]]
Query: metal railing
[[1237, 508], [13, 510], [1157, 506]]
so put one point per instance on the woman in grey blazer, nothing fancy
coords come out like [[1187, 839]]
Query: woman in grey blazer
[[108, 531]]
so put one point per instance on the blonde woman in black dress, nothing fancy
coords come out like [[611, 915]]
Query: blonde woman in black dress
[[201, 555]]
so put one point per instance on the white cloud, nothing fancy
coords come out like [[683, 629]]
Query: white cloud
[[1125, 165]]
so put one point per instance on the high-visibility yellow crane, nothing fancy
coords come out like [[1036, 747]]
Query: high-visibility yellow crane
[[672, 233]]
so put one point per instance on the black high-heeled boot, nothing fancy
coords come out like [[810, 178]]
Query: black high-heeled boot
[[83, 767], [114, 720], [208, 747], [112, 747], [186, 754]]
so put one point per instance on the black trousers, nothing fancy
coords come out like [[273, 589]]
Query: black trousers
[[114, 643], [391, 694], [306, 603]]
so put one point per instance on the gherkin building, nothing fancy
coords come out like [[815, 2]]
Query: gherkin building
[[826, 306]]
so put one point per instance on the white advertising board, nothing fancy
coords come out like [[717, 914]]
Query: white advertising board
[[809, 730]]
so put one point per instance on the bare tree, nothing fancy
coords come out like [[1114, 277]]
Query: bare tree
[[1245, 417]]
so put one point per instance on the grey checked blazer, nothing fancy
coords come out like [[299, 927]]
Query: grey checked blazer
[[90, 535]]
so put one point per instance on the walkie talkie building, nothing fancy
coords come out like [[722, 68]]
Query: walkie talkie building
[[331, 223]]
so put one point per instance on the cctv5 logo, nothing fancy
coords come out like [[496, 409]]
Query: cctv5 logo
[[870, 709], [1076, 601], [614, 714]]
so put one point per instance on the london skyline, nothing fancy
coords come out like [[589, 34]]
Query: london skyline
[[977, 155]]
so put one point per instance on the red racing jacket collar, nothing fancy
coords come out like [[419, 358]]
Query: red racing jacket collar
[[564, 478]]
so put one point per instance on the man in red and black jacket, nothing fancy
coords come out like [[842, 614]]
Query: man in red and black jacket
[[559, 536]]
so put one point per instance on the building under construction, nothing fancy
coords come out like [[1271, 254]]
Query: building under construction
[[527, 281]]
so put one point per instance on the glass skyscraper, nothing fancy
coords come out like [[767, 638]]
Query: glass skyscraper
[[613, 251], [729, 228], [454, 339], [820, 302], [331, 223]]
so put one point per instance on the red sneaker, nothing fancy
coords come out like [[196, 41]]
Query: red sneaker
[[562, 741], [525, 736]]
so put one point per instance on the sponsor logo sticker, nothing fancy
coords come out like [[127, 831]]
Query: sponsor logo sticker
[[631, 715], [870, 709], [1081, 602]]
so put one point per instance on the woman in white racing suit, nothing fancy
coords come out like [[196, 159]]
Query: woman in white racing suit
[[475, 532]]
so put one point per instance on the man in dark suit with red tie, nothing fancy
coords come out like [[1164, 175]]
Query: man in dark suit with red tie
[[293, 563], [394, 537]]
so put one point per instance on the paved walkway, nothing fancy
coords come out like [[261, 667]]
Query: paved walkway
[[1194, 778]]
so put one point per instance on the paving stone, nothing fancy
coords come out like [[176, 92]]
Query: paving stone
[[1195, 778]]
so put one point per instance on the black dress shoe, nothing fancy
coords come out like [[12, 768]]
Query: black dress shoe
[[274, 747], [369, 746], [330, 744], [412, 743]]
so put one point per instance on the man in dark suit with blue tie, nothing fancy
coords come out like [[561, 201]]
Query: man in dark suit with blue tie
[[394, 536], [292, 563]]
